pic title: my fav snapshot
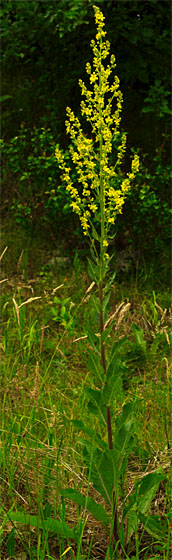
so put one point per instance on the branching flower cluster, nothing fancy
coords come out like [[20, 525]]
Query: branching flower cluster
[[98, 198]]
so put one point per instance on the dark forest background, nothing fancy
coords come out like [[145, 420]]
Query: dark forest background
[[45, 46]]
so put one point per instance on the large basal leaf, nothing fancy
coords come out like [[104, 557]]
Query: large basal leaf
[[155, 527], [140, 501], [48, 524], [97, 510], [101, 470], [103, 477], [148, 488]]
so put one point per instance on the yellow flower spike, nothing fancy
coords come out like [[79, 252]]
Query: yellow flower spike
[[99, 193]]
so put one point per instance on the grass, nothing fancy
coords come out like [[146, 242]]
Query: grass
[[44, 374]]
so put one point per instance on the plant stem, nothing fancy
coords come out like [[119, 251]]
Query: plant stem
[[102, 346], [102, 219], [115, 537]]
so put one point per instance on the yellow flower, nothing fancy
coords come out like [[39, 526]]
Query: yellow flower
[[84, 223], [93, 78], [95, 172], [125, 185], [135, 164], [75, 207], [93, 207]]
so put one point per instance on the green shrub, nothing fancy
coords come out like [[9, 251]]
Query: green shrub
[[146, 221], [30, 175]]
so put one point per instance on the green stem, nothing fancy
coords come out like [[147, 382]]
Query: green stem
[[102, 346], [101, 317], [102, 220]]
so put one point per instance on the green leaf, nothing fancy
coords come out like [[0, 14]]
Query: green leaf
[[114, 363], [95, 366], [117, 346], [104, 269], [139, 337], [93, 271], [97, 510], [101, 470], [95, 234], [148, 488], [105, 334], [123, 443], [96, 405], [95, 302], [11, 542], [94, 437], [48, 524], [127, 413], [93, 255], [112, 388], [93, 340], [5, 97], [155, 527], [106, 301], [110, 282], [114, 368], [140, 501]]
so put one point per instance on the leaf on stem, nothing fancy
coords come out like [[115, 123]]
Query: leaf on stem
[[97, 510], [48, 524]]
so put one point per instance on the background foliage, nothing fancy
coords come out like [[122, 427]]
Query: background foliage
[[45, 46]]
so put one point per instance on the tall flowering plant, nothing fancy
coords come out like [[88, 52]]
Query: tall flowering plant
[[98, 198]]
